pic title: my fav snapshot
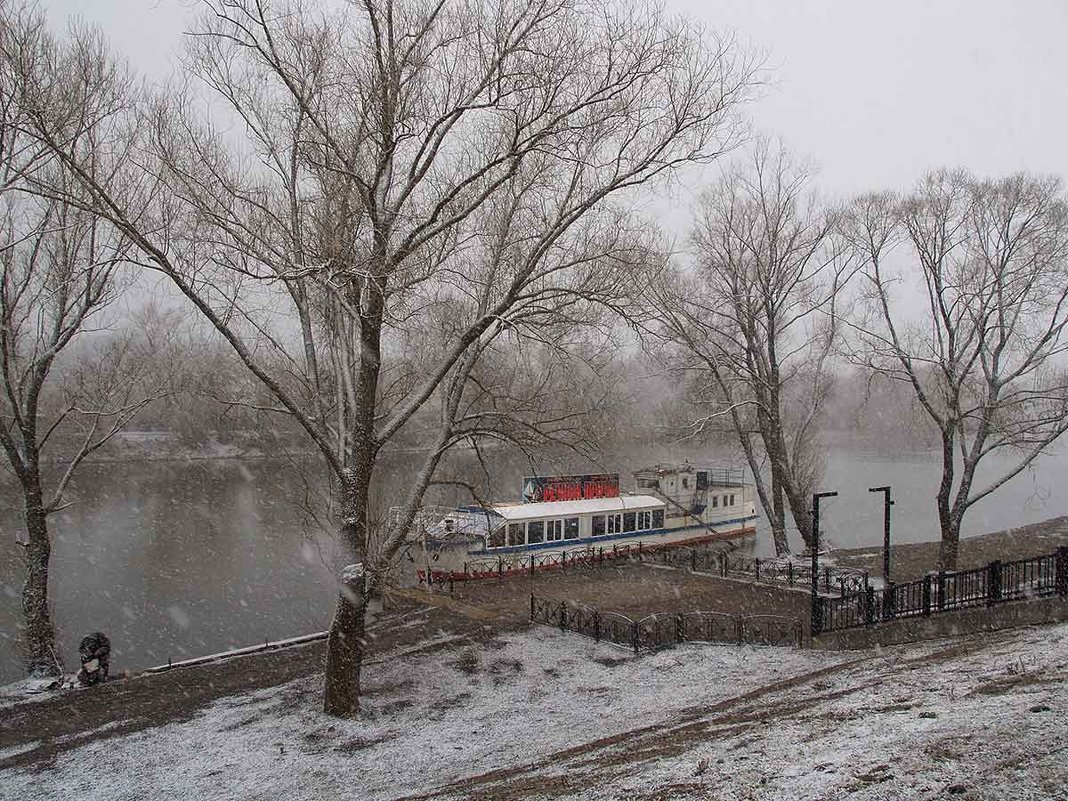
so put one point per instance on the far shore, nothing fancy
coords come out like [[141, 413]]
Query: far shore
[[911, 561]]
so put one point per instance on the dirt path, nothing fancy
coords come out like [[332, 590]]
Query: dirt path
[[597, 762]]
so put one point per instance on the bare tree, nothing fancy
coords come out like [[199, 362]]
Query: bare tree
[[408, 166], [973, 322], [61, 400], [757, 320]]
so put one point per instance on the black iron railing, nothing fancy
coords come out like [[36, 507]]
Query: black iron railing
[[785, 572], [1022, 579], [663, 629]]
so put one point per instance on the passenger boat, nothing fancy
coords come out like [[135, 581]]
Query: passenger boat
[[576, 518]]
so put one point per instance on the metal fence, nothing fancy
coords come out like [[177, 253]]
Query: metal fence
[[1037, 577], [783, 571], [664, 629], [518, 564], [832, 579]]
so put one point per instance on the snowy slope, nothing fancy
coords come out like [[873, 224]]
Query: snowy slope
[[908, 722]]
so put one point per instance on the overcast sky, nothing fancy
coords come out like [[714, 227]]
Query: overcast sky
[[874, 92]]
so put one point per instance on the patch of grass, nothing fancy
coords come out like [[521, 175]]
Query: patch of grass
[[354, 744], [504, 669], [611, 661], [468, 662], [453, 702]]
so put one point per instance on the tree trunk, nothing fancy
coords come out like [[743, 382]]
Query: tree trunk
[[345, 646], [778, 515], [795, 498], [948, 519], [346, 643], [948, 550], [799, 510], [40, 635]]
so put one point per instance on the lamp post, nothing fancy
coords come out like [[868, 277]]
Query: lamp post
[[887, 503], [817, 609]]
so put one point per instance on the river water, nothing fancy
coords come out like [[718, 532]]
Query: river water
[[180, 559]]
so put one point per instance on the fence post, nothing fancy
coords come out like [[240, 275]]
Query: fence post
[[639, 550], [602, 556], [1061, 570], [869, 604], [500, 568], [563, 616], [925, 595], [563, 561], [532, 607], [941, 590], [888, 601], [465, 571], [739, 630], [993, 582], [826, 578]]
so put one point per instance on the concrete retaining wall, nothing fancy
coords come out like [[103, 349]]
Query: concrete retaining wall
[[947, 624]]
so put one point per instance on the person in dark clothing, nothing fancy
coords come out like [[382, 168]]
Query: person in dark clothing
[[95, 652]]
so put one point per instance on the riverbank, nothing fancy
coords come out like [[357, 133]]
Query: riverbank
[[537, 714], [911, 561]]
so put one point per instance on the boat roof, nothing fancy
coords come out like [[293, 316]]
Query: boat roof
[[524, 511]]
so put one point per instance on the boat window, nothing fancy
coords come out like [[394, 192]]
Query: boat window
[[643, 521], [715, 501], [732, 500], [496, 537], [535, 531], [615, 524], [702, 480], [685, 482], [648, 483], [597, 525], [725, 500], [571, 528], [628, 521], [517, 534], [554, 530], [658, 518]]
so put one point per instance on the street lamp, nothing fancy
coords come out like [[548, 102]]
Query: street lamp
[[817, 609], [887, 503]]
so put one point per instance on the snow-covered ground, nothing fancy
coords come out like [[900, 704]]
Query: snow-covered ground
[[909, 722]]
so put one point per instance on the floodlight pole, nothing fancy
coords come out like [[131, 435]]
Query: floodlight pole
[[817, 608], [887, 503]]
